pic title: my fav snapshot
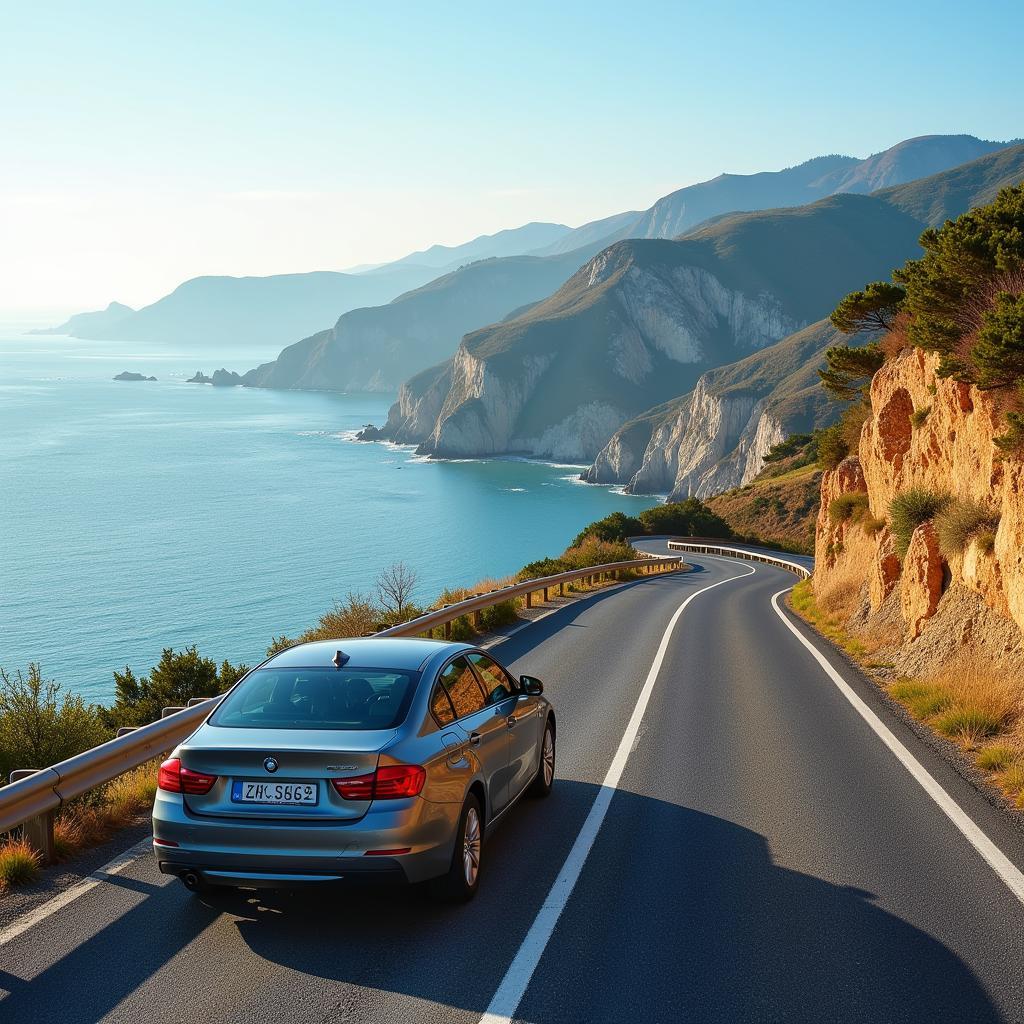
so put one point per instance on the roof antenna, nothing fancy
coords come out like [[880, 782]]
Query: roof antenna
[[339, 659]]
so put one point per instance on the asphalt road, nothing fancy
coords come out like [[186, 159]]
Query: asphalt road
[[764, 858]]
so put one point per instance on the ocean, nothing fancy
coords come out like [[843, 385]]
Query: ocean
[[141, 515]]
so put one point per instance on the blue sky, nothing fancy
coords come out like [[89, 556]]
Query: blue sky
[[146, 143]]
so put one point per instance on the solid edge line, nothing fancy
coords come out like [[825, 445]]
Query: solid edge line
[[1007, 871], [41, 913], [513, 986]]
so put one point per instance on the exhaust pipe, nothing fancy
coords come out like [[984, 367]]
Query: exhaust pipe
[[192, 881]]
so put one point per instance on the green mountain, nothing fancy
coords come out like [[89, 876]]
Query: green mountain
[[640, 323]]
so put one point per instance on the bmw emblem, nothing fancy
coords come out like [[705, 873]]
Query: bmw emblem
[[270, 764]]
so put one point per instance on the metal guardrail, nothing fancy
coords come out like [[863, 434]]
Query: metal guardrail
[[33, 796], [754, 556]]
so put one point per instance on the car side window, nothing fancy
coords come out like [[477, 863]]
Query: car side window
[[463, 689], [497, 683], [440, 706]]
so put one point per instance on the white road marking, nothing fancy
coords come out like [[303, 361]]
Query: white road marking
[[513, 986], [1007, 871], [113, 867]]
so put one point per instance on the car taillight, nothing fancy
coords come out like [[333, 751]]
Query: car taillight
[[175, 779], [389, 782]]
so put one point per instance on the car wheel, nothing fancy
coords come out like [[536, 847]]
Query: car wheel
[[545, 779], [463, 878]]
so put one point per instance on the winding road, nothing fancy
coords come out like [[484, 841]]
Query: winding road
[[729, 840]]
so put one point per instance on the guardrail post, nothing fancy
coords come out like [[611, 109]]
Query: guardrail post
[[561, 590], [529, 599], [165, 712], [447, 631], [476, 621], [37, 832], [546, 598]]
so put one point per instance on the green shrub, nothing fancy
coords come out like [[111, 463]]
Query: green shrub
[[986, 541], [998, 350], [789, 447], [961, 261], [178, 676], [907, 511], [689, 518], [919, 416], [959, 521], [832, 447], [849, 371], [1012, 442], [542, 567], [498, 615], [848, 507], [40, 725], [615, 527], [462, 630]]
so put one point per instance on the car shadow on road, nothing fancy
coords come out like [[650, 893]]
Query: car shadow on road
[[679, 915]]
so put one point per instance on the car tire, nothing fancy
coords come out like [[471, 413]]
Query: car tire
[[462, 880], [545, 780]]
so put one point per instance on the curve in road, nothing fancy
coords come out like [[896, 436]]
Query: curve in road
[[761, 856]]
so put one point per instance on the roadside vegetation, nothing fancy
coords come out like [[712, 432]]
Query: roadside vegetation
[[963, 300], [42, 724]]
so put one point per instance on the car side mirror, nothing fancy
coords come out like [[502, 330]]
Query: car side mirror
[[531, 685]]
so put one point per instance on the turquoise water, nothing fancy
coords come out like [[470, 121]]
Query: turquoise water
[[135, 516]]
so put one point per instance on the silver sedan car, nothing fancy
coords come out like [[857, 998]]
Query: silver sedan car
[[377, 757]]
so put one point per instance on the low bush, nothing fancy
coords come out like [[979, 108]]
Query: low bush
[[178, 676], [959, 521], [1012, 781], [615, 527], [832, 447], [919, 416], [907, 511], [40, 724], [19, 864], [689, 518], [502, 614], [1012, 442], [850, 506], [986, 541]]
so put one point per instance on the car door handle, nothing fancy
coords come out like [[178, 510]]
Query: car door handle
[[511, 721], [474, 738]]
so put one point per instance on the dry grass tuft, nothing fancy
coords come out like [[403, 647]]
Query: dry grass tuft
[[95, 817], [19, 864], [997, 758]]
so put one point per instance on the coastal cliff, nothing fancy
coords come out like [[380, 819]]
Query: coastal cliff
[[933, 436]]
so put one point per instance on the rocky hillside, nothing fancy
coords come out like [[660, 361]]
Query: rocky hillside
[[376, 348], [641, 321], [716, 437], [932, 435]]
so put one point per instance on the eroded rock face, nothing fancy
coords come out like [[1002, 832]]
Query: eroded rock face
[[947, 447], [885, 572], [921, 581]]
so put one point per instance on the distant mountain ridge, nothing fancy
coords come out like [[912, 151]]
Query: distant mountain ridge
[[643, 320], [81, 324], [376, 348]]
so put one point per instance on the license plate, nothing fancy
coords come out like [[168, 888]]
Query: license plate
[[274, 792]]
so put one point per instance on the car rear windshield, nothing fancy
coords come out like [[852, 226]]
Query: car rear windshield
[[318, 698]]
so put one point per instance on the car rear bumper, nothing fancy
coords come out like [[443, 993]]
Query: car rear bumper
[[265, 853]]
